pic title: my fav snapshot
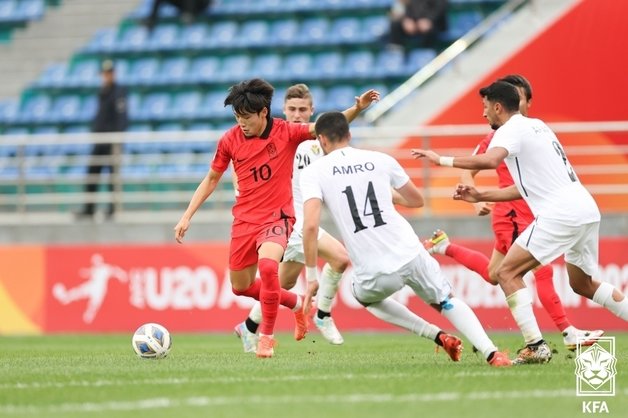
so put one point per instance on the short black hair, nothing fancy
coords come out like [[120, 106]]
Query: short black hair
[[250, 96], [504, 93], [518, 80], [333, 125]]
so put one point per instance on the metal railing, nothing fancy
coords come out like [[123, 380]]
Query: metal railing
[[158, 171]]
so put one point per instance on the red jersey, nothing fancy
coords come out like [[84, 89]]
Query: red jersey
[[263, 165], [504, 179]]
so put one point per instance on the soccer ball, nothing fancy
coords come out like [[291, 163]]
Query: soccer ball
[[152, 341]]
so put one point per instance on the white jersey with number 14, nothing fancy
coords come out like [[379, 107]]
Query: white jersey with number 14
[[355, 185]]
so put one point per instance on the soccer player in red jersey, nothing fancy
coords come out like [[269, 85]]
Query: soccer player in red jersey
[[509, 220], [262, 151]]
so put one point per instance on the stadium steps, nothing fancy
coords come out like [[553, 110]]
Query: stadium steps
[[54, 39]]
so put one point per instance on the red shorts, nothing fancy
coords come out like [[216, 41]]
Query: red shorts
[[246, 238], [506, 230]]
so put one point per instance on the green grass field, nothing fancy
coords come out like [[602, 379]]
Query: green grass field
[[372, 375]]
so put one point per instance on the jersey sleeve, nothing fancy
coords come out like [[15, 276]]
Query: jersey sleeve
[[483, 145], [299, 132], [310, 187], [220, 163], [506, 138], [398, 176]]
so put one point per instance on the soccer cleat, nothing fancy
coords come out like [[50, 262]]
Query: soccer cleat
[[328, 329], [587, 338], [438, 243], [265, 346], [500, 360], [300, 325], [248, 338], [452, 345], [534, 354]]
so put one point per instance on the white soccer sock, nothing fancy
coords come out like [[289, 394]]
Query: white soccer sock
[[604, 296], [395, 313], [256, 313], [465, 321], [520, 304], [329, 281]]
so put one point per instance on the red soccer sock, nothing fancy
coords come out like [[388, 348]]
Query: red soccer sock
[[252, 291], [471, 259], [548, 297], [269, 294]]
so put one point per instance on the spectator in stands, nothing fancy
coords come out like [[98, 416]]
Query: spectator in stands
[[416, 23], [111, 116], [188, 10]]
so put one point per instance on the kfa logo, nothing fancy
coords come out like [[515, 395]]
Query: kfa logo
[[595, 373]]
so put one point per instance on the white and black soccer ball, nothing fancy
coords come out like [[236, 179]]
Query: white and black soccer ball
[[152, 341]]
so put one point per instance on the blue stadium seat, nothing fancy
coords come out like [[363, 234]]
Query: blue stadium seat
[[143, 72], [66, 109], [164, 37], [374, 27], [88, 108], [359, 64], [223, 34], [266, 66], [173, 71], [36, 109], [194, 36], [142, 11], [134, 106], [419, 58], [284, 32], [123, 71], [235, 68], [462, 22], [171, 145], [185, 105], [341, 97], [253, 33], [201, 147], [213, 105], [54, 75], [345, 30], [9, 110], [85, 74], [313, 31], [155, 106], [8, 10], [134, 38], [103, 41], [327, 65], [80, 147], [390, 63], [297, 66], [204, 69], [31, 10]]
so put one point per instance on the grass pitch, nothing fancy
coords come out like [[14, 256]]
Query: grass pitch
[[372, 375]]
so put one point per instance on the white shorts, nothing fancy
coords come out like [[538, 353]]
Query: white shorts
[[548, 239], [422, 274], [294, 250]]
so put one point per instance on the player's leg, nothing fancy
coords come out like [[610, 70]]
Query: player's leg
[[426, 279], [337, 258], [474, 260]]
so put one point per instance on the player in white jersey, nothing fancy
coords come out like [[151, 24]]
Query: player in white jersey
[[298, 107], [360, 188], [567, 218]]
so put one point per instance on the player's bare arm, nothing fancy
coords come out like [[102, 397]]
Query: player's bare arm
[[202, 192], [471, 194], [361, 102], [489, 160], [408, 195], [311, 222], [481, 208]]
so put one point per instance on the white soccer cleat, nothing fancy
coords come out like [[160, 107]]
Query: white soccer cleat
[[586, 338], [249, 339], [534, 354], [328, 329], [438, 243]]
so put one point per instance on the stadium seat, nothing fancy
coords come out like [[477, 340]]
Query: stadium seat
[[163, 38], [30, 10], [35, 109], [143, 72], [235, 68], [374, 27], [173, 71], [327, 65], [313, 31], [155, 106], [194, 36], [345, 30], [134, 106], [419, 58], [204, 69], [213, 105], [223, 35], [9, 110], [266, 66], [54, 75], [133, 39], [104, 41], [390, 63], [253, 33], [185, 105], [66, 109], [462, 22], [297, 66], [85, 74], [359, 64], [284, 32], [341, 97], [170, 145], [8, 9]]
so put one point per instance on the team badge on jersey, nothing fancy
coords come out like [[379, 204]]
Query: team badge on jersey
[[316, 149], [272, 151]]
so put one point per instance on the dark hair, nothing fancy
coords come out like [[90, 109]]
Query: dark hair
[[518, 80], [250, 96], [333, 125], [504, 93], [298, 91]]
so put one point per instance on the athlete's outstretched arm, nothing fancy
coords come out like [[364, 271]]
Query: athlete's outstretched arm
[[361, 102], [471, 194], [311, 222], [203, 191], [490, 159], [408, 195]]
